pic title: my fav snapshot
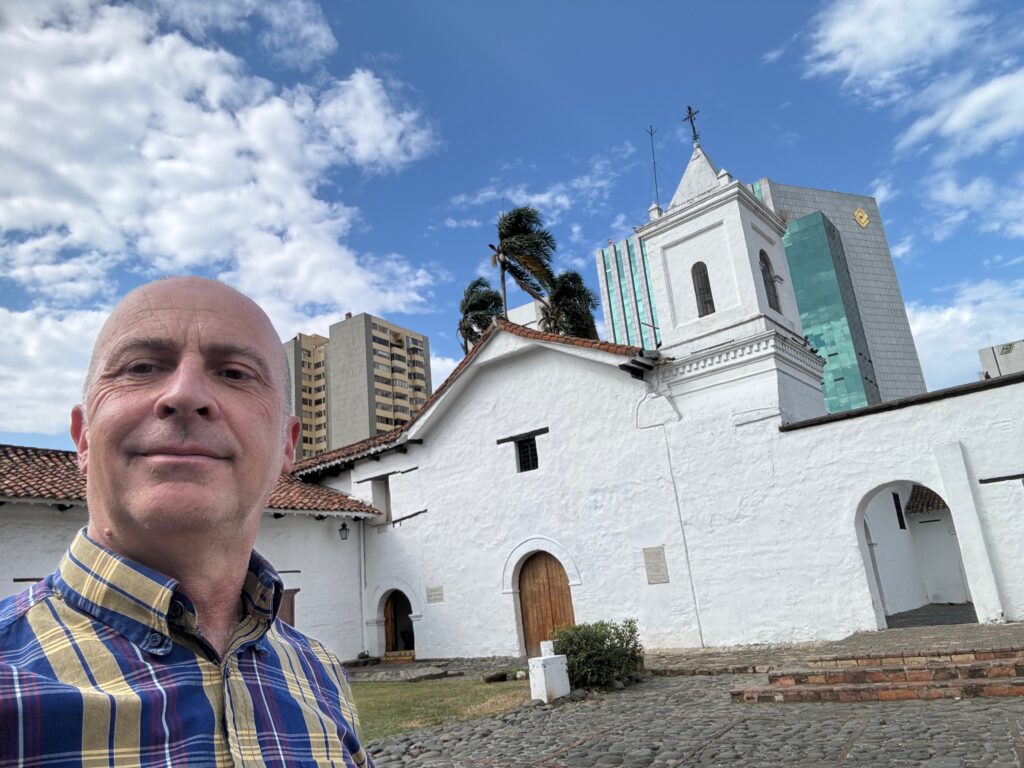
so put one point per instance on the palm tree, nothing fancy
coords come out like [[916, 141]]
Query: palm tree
[[479, 306], [524, 251], [569, 308]]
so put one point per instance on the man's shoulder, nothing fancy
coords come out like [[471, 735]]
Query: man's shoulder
[[15, 608], [308, 646]]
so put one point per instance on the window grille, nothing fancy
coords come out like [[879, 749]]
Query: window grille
[[702, 289]]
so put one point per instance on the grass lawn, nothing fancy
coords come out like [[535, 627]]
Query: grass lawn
[[389, 708]]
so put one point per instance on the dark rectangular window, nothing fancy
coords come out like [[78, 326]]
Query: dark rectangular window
[[899, 511], [526, 454]]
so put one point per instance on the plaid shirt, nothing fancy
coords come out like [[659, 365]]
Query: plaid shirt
[[101, 664]]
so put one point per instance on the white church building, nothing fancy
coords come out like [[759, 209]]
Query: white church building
[[700, 487]]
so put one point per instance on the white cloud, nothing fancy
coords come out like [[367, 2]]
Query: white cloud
[[949, 334], [903, 248], [882, 190], [42, 366], [440, 368], [993, 207], [462, 223], [295, 32], [129, 149], [973, 121], [875, 45], [575, 232], [551, 202], [770, 57], [588, 190]]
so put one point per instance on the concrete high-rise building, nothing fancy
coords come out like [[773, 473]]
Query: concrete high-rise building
[[1002, 359], [366, 378], [308, 371], [876, 294]]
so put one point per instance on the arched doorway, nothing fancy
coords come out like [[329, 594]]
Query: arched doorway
[[399, 639], [545, 601], [912, 556]]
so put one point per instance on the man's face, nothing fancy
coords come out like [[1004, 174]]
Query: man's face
[[184, 425]]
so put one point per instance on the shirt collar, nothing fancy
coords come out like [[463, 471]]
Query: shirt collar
[[143, 604]]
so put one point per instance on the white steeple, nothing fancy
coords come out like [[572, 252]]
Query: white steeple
[[726, 306], [699, 180]]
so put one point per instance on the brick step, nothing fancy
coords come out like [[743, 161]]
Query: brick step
[[915, 657], [899, 673], [398, 657], [945, 689]]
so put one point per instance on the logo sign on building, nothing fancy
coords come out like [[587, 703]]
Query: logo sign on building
[[861, 217], [435, 594], [655, 565]]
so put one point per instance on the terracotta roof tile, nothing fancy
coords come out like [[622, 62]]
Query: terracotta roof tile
[[293, 494], [41, 473], [924, 500], [30, 473]]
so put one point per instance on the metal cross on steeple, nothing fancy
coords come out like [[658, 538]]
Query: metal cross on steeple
[[691, 118]]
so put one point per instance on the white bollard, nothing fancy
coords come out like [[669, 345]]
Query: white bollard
[[549, 678]]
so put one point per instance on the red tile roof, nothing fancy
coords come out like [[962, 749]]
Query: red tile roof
[[293, 494], [382, 443], [924, 500], [572, 341], [42, 473]]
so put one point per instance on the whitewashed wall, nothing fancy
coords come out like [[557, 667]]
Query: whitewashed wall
[[327, 606], [33, 539], [895, 553], [602, 493], [771, 518], [938, 556]]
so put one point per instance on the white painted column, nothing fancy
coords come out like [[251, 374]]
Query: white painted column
[[958, 493]]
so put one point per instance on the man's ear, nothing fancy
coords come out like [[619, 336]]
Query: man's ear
[[80, 435], [292, 431]]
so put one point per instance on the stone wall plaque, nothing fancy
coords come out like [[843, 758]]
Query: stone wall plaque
[[654, 563], [435, 594]]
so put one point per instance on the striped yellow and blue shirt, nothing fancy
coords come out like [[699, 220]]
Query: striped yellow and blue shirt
[[101, 663]]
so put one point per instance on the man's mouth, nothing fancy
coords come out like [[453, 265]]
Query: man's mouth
[[183, 452]]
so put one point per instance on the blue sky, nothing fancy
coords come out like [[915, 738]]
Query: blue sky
[[354, 156]]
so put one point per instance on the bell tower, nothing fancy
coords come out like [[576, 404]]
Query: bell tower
[[726, 307]]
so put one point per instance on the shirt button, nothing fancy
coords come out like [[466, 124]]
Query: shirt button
[[154, 641], [176, 609]]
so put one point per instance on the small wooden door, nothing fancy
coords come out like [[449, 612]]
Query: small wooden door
[[544, 599], [398, 631]]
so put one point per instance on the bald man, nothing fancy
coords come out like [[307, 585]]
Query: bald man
[[156, 641]]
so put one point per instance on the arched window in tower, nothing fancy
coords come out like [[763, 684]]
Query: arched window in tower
[[702, 288], [768, 275]]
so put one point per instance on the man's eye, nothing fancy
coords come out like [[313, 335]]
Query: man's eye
[[141, 369], [235, 374]]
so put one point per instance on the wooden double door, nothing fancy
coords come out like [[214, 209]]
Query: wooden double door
[[544, 600]]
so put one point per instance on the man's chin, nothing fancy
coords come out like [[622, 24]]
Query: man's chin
[[184, 507]]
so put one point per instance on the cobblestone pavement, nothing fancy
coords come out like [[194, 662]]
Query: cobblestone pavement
[[689, 721]]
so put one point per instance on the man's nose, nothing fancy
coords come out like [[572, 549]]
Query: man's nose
[[187, 390]]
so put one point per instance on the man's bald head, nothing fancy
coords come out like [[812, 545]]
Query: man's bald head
[[180, 288]]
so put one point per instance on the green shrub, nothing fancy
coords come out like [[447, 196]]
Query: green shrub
[[601, 652]]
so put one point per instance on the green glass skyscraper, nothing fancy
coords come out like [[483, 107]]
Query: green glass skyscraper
[[829, 312]]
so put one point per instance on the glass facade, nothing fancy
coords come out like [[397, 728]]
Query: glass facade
[[828, 311], [626, 295]]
